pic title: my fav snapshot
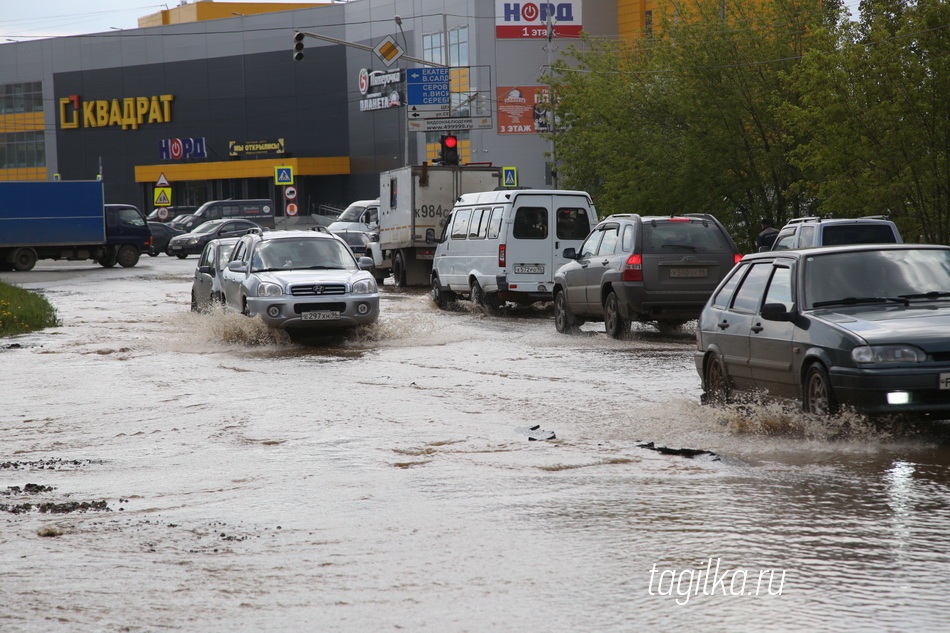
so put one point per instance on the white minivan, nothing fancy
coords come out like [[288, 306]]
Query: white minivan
[[500, 246]]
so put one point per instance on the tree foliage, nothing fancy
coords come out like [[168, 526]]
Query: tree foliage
[[765, 108]]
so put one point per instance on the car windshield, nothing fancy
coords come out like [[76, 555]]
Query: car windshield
[[878, 276], [302, 253], [352, 213], [353, 239]]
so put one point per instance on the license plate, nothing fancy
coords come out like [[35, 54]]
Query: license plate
[[324, 315], [529, 269], [688, 273], [945, 380]]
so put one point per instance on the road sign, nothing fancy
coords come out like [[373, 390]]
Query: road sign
[[290, 192], [163, 196], [389, 51], [451, 125], [291, 209], [509, 176], [428, 87], [283, 175], [162, 181]]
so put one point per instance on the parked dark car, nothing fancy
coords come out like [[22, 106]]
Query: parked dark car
[[643, 268], [206, 290], [162, 233], [181, 222], [167, 214], [194, 242], [867, 327]]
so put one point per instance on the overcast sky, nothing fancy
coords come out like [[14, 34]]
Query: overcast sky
[[28, 19]]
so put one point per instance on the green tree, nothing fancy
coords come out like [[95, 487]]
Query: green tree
[[875, 117], [688, 120]]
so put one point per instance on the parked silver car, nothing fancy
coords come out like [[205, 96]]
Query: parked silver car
[[206, 289], [303, 280]]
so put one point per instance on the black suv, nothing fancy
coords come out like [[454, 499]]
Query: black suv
[[658, 269], [812, 232]]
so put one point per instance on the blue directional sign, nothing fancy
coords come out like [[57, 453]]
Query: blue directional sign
[[427, 86]]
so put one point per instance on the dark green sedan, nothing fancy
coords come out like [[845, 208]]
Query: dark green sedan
[[862, 327]]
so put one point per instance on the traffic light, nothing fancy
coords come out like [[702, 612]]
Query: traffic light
[[450, 150], [298, 46]]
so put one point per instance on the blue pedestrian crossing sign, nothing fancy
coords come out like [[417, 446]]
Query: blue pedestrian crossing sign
[[509, 176], [283, 175]]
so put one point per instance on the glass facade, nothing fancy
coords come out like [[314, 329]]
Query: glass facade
[[22, 141]]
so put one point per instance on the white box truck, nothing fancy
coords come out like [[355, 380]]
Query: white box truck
[[415, 199]]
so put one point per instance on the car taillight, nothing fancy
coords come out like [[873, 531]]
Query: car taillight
[[501, 255], [633, 269], [738, 258]]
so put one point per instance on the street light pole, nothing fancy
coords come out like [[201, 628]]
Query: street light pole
[[551, 101]]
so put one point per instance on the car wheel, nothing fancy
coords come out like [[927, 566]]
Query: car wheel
[[244, 309], [152, 252], [818, 396], [24, 259], [716, 382], [399, 270], [481, 300], [182, 255], [438, 296], [564, 321], [128, 256], [616, 325]]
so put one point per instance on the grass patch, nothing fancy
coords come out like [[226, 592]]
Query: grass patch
[[23, 311]]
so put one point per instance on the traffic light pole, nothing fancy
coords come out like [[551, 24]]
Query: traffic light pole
[[364, 47]]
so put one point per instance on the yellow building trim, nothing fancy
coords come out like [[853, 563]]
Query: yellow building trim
[[21, 122], [23, 173], [263, 168], [201, 11]]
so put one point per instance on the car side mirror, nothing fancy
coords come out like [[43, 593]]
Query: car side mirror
[[430, 236], [366, 263], [237, 267], [570, 253], [775, 312], [207, 270]]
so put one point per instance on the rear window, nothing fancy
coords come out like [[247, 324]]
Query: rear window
[[663, 238], [858, 234]]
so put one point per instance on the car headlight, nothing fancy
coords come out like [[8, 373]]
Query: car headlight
[[267, 289], [888, 354], [193, 240], [364, 287]]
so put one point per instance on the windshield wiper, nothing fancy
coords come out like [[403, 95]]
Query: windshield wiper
[[321, 268], [850, 301], [927, 295]]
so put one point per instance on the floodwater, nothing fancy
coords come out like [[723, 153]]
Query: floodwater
[[165, 471]]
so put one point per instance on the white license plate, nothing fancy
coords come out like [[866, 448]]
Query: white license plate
[[536, 269], [945, 380], [324, 315], [688, 273]]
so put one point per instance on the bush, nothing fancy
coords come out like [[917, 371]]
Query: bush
[[24, 311]]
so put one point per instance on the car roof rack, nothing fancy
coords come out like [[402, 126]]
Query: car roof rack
[[320, 228], [811, 218]]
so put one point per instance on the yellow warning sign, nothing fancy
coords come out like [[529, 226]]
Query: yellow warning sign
[[163, 196]]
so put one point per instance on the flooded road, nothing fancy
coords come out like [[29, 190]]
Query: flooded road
[[165, 471]]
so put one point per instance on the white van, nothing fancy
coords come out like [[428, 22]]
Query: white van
[[500, 246]]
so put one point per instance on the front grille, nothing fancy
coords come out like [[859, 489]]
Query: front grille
[[318, 290], [336, 306]]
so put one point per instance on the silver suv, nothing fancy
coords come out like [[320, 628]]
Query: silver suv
[[812, 232], [303, 280], [643, 268]]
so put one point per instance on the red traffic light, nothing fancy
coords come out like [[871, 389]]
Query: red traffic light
[[449, 146]]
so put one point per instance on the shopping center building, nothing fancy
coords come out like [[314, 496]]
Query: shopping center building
[[207, 96]]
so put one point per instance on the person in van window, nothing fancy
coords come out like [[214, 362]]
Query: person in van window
[[767, 235]]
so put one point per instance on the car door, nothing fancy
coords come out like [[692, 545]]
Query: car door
[[599, 263], [231, 280], [575, 273], [734, 324], [770, 342], [204, 280]]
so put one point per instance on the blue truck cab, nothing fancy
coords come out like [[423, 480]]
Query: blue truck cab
[[67, 220]]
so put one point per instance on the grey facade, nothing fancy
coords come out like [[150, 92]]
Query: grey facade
[[235, 80]]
